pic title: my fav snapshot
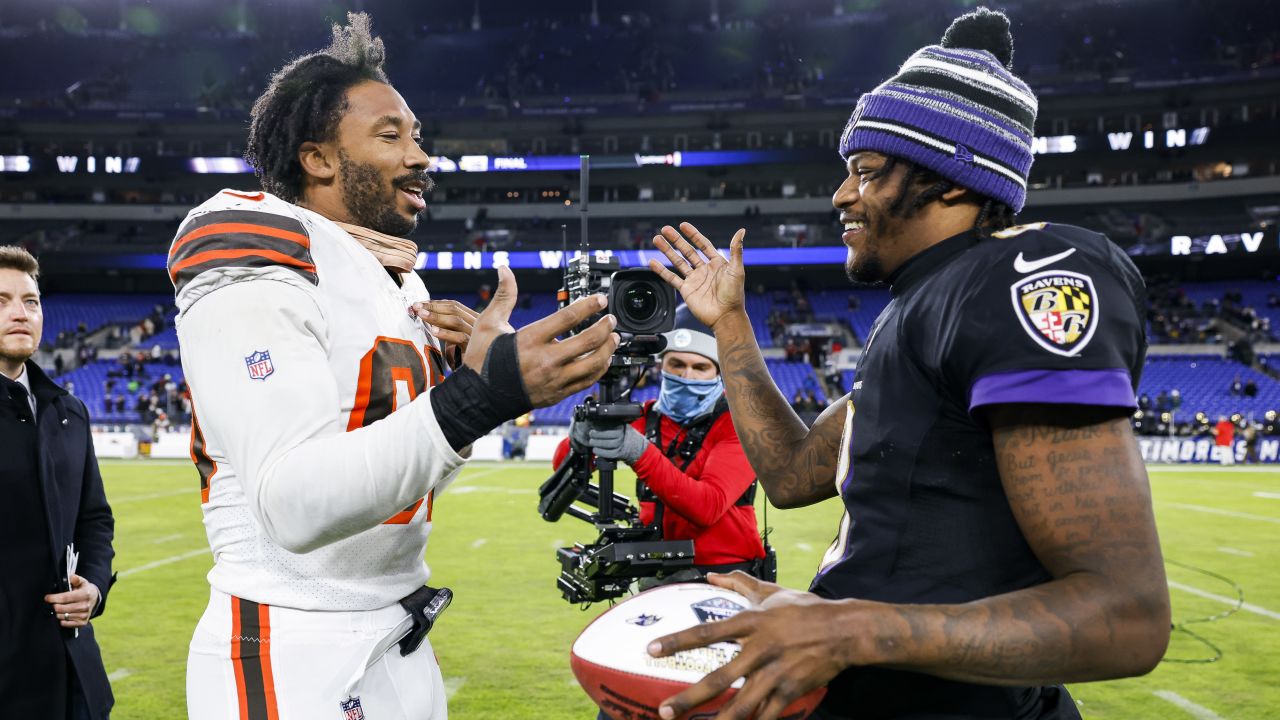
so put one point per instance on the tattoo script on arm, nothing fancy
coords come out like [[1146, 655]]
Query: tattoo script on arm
[[795, 464], [1079, 492]]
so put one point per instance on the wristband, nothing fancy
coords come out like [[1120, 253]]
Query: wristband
[[468, 404]]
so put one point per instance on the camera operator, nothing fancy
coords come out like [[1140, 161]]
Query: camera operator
[[694, 479]]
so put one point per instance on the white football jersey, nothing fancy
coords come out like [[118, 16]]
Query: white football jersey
[[318, 451]]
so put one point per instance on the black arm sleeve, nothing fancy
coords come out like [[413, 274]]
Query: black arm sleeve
[[468, 404]]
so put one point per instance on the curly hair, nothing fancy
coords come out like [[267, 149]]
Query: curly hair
[[305, 102], [993, 215]]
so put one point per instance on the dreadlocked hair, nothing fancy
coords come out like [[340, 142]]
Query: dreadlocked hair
[[992, 217], [305, 101]]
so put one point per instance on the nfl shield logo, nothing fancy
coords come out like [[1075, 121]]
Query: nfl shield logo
[[716, 609], [259, 364], [351, 709], [1058, 309]]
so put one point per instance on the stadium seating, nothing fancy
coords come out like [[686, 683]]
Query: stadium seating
[[1254, 294], [1205, 384], [63, 313], [512, 56], [89, 380], [1204, 381]]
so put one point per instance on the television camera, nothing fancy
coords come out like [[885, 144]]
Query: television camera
[[625, 550]]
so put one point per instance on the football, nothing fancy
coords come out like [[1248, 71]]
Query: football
[[612, 663]]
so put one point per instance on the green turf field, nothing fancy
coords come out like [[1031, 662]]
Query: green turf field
[[504, 643]]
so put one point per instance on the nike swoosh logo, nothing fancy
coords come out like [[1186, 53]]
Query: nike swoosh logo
[[1025, 266]]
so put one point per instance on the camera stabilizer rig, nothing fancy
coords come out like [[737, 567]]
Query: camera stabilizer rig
[[644, 307]]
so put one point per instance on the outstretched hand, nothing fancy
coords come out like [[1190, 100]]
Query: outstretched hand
[[788, 649], [551, 369], [711, 286]]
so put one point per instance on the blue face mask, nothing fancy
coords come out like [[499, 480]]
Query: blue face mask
[[683, 400]]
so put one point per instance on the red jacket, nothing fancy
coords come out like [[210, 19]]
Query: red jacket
[[699, 504], [1225, 433]]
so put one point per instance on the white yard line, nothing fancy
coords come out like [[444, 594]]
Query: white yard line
[[166, 561], [452, 685], [149, 461], [153, 496], [804, 547], [1250, 607], [1228, 513], [468, 489], [469, 476], [1233, 551], [1267, 495], [167, 538], [477, 543], [1199, 712], [120, 674]]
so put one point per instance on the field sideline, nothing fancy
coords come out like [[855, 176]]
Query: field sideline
[[504, 642]]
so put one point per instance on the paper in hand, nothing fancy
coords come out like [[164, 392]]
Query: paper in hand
[[73, 559]]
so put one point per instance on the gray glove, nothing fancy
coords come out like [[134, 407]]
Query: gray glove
[[623, 443], [579, 436]]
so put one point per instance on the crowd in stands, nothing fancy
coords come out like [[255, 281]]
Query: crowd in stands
[[1175, 318], [511, 51], [138, 380], [1202, 425]]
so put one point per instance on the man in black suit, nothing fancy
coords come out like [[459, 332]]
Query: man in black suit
[[50, 666]]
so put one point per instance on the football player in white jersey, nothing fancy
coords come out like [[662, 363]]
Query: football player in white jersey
[[323, 421]]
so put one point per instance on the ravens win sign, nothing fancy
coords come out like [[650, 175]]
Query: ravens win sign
[[1058, 309]]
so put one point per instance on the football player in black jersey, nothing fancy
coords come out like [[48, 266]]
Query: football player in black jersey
[[998, 537]]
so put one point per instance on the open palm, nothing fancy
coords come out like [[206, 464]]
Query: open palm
[[711, 286]]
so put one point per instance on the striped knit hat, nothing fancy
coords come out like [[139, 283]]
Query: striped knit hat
[[957, 110]]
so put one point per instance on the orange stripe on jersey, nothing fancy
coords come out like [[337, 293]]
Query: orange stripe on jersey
[[227, 228], [404, 516], [211, 255], [256, 197]]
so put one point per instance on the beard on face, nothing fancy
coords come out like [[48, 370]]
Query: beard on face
[[371, 202], [866, 268], [15, 355]]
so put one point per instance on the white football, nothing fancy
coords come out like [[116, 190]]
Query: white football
[[612, 662]]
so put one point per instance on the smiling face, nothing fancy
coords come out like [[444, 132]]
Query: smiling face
[[892, 210], [870, 231], [21, 319], [374, 174]]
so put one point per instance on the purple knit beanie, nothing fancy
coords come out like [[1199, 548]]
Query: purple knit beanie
[[957, 110]]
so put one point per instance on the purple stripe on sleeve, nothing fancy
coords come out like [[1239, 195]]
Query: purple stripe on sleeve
[[1110, 387]]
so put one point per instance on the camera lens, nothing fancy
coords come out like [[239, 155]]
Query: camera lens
[[640, 302]]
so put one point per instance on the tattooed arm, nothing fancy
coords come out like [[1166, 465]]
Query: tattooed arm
[[1079, 491], [795, 465]]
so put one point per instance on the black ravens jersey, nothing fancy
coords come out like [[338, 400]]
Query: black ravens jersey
[[1034, 314]]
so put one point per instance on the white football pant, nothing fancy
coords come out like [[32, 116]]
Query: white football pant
[[258, 662]]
